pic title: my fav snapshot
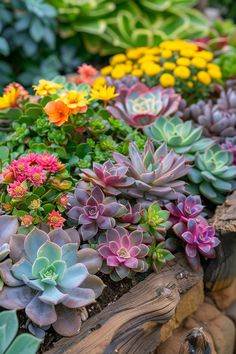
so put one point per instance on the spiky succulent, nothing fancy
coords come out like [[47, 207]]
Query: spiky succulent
[[213, 174], [156, 173], [198, 237], [111, 178], [50, 280], [180, 136], [218, 120], [139, 105], [93, 211], [123, 253], [8, 227]]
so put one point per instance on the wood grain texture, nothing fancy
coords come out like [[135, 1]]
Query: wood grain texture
[[132, 324]]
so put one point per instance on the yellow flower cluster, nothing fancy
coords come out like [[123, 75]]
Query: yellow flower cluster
[[170, 64]]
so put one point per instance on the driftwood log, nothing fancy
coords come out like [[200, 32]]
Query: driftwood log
[[134, 324]]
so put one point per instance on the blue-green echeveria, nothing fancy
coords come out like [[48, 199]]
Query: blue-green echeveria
[[53, 280]]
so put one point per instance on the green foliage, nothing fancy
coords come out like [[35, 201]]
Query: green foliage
[[159, 256], [10, 344], [109, 26]]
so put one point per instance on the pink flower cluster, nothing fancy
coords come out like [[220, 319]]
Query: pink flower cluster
[[31, 168]]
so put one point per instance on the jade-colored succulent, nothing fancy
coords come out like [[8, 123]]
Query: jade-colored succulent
[[180, 136], [11, 343], [159, 256], [50, 279], [213, 174]]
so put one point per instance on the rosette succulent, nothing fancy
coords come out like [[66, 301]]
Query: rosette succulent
[[218, 120], [93, 211], [123, 253], [185, 208], [213, 174], [180, 136], [157, 173], [139, 105], [198, 238], [159, 256], [110, 177], [132, 214], [52, 279], [8, 227]]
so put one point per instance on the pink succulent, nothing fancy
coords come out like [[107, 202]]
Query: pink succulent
[[133, 214], [17, 190], [55, 220], [139, 105], [124, 250], [198, 237]]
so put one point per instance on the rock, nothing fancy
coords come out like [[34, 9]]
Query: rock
[[225, 297], [231, 312]]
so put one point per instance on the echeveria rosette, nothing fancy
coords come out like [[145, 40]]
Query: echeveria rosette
[[109, 176], [54, 280], [198, 237], [156, 173], [159, 256], [93, 211], [132, 214], [123, 253], [185, 208], [139, 105], [213, 174], [180, 136], [8, 227]]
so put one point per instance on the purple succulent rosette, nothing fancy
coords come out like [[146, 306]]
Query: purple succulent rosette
[[8, 227], [198, 237], [185, 208], [123, 253], [93, 211], [50, 280], [110, 177], [132, 215], [139, 105]]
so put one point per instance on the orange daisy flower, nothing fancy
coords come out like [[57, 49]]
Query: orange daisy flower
[[57, 111]]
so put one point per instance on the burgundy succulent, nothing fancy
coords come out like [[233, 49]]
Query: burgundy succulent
[[93, 211], [132, 214], [124, 252], [139, 105], [185, 208], [108, 176], [198, 237]]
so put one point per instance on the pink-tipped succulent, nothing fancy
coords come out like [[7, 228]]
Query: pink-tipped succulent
[[185, 208], [132, 214], [139, 105], [198, 237], [123, 252], [111, 178], [156, 173], [94, 211]]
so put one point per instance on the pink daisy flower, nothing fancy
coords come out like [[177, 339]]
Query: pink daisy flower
[[48, 162], [17, 190], [55, 220]]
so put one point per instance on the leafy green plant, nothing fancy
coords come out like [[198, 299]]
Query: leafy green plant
[[10, 344]]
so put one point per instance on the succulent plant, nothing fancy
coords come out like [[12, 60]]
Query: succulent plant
[[123, 253], [155, 221], [10, 343], [180, 136], [213, 174], [218, 120], [185, 208], [132, 214], [156, 172], [94, 211], [111, 178], [8, 227], [159, 256], [198, 237], [52, 280], [125, 82], [139, 105], [230, 145]]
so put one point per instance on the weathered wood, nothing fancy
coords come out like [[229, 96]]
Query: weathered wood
[[132, 324], [224, 218]]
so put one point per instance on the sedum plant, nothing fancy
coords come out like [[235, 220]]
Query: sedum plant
[[10, 342], [123, 253], [180, 136], [213, 174], [140, 106], [156, 173], [53, 280]]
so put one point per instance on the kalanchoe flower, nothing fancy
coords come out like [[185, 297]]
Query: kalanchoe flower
[[198, 237], [17, 190], [156, 172], [8, 227], [94, 211], [55, 220], [111, 178], [159, 256], [139, 106], [26, 220], [132, 214], [185, 208], [123, 252], [51, 280]]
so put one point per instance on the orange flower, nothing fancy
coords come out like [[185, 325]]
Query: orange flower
[[57, 111], [75, 101], [87, 74]]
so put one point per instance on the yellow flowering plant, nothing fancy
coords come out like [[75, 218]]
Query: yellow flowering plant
[[176, 63]]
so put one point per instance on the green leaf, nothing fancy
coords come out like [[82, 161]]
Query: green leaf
[[4, 47], [8, 329], [4, 153], [36, 30], [39, 191], [48, 208], [207, 190], [24, 344], [82, 150]]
